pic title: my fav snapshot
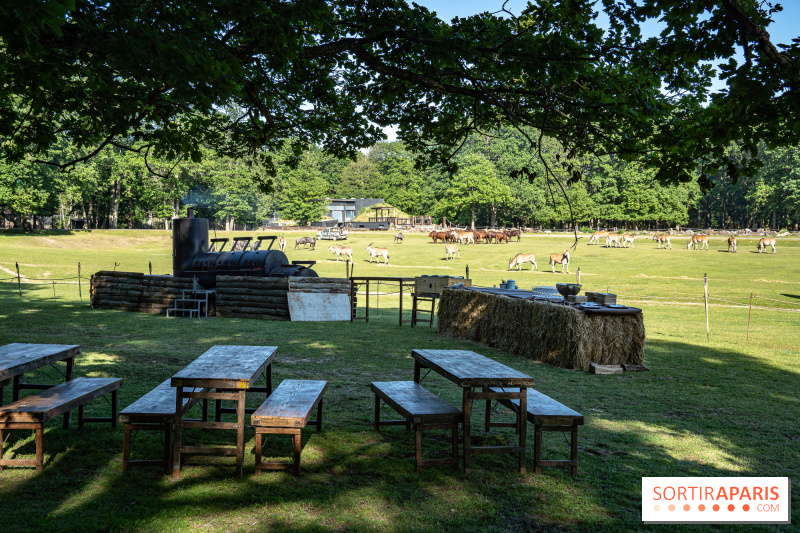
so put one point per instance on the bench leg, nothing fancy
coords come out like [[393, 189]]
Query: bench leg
[[377, 426], [167, 447], [114, 406], [176, 457], [418, 446], [240, 433], [574, 450], [537, 449], [258, 452], [319, 416], [488, 418], [39, 448], [1, 434], [297, 442], [126, 447], [205, 410], [81, 412], [455, 447]]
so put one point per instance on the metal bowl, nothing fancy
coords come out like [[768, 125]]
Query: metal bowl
[[568, 289]]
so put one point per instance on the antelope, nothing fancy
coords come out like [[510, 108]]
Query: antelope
[[763, 243], [340, 251], [702, 240], [563, 259], [520, 259], [612, 239], [666, 240], [462, 236], [398, 237], [451, 249], [732, 243], [628, 238], [597, 235], [282, 243], [501, 236], [378, 252]]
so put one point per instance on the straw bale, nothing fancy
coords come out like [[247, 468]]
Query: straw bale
[[555, 334]]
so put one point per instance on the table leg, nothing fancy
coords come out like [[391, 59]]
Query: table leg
[[240, 433], [70, 366], [401, 303], [417, 368], [176, 457], [269, 379], [1, 395], [523, 428], [15, 389], [466, 407], [366, 308]]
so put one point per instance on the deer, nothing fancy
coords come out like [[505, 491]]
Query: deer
[[282, 243], [562, 259], [398, 237], [666, 240], [451, 249], [627, 238], [732, 244], [340, 251], [763, 243], [597, 235], [520, 259], [378, 252], [462, 236], [702, 240], [612, 239], [501, 236]]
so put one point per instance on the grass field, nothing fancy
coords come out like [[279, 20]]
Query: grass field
[[718, 407]]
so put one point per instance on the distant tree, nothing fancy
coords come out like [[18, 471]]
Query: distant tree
[[475, 186], [304, 191]]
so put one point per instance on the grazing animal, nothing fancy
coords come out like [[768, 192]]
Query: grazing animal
[[433, 236], [310, 241], [597, 235], [479, 235], [562, 259], [514, 233], [282, 243], [462, 236], [732, 243], [666, 240], [702, 240], [451, 249], [612, 239], [520, 259], [501, 236], [763, 243], [341, 250], [490, 235], [378, 252], [628, 238], [398, 237]]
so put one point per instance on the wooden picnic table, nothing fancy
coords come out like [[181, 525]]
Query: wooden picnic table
[[472, 371], [18, 358], [232, 370]]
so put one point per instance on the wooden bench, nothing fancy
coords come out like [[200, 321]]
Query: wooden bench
[[33, 411], [155, 411], [286, 412], [420, 408], [546, 414]]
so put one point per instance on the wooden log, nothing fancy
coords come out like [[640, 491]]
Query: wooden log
[[227, 300], [635, 368], [253, 286], [255, 316], [120, 274], [594, 368], [316, 281], [323, 291], [257, 311], [252, 279], [224, 291], [118, 292], [115, 282]]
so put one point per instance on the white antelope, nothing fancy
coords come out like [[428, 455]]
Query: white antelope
[[732, 243], [763, 243], [597, 235], [521, 259], [628, 238], [563, 259], [666, 240], [340, 251], [612, 239], [282, 243], [702, 240], [462, 236], [451, 249], [378, 252]]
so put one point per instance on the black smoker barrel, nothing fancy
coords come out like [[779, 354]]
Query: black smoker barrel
[[189, 239]]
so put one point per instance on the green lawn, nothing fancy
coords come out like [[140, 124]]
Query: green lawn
[[727, 406]]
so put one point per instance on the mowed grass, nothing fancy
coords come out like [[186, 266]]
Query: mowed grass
[[718, 407]]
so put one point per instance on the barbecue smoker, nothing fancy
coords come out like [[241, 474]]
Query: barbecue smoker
[[192, 257]]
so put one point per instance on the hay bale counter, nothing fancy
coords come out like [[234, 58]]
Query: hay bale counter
[[557, 334]]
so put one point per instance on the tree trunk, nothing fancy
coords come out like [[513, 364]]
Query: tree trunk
[[473, 219], [113, 211]]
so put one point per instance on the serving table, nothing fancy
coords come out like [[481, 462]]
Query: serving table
[[232, 370], [472, 371]]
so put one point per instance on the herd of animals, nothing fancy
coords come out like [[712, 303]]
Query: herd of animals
[[453, 238]]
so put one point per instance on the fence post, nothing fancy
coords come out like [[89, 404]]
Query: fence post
[[80, 293], [705, 292], [19, 282]]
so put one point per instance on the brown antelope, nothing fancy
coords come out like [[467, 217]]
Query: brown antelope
[[501, 236], [763, 243], [627, 238], [563, 259], [378, 252], [282, 243], [597, 235], [666, 240], [451, 249], [732, 243], [702, 240], [520, 259], [340, 251], [612, 239]]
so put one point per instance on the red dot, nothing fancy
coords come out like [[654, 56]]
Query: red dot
[[731, 507], [687, 507], [701, 507], [745, 507], [716, 507]]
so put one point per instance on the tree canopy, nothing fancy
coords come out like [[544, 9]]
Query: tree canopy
[[244, 77]]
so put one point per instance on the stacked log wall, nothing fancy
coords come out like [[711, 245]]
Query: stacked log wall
[[134, 291], [246, 297]]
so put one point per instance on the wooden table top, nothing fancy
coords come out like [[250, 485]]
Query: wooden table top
[[235, 367], [18, 358], [469, 369]]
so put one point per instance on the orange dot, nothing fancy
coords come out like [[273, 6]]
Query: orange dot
[[701, 507], [731, 507], [745, 507], [687, 507], [671, 507], [716, 507], [656, 507]]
